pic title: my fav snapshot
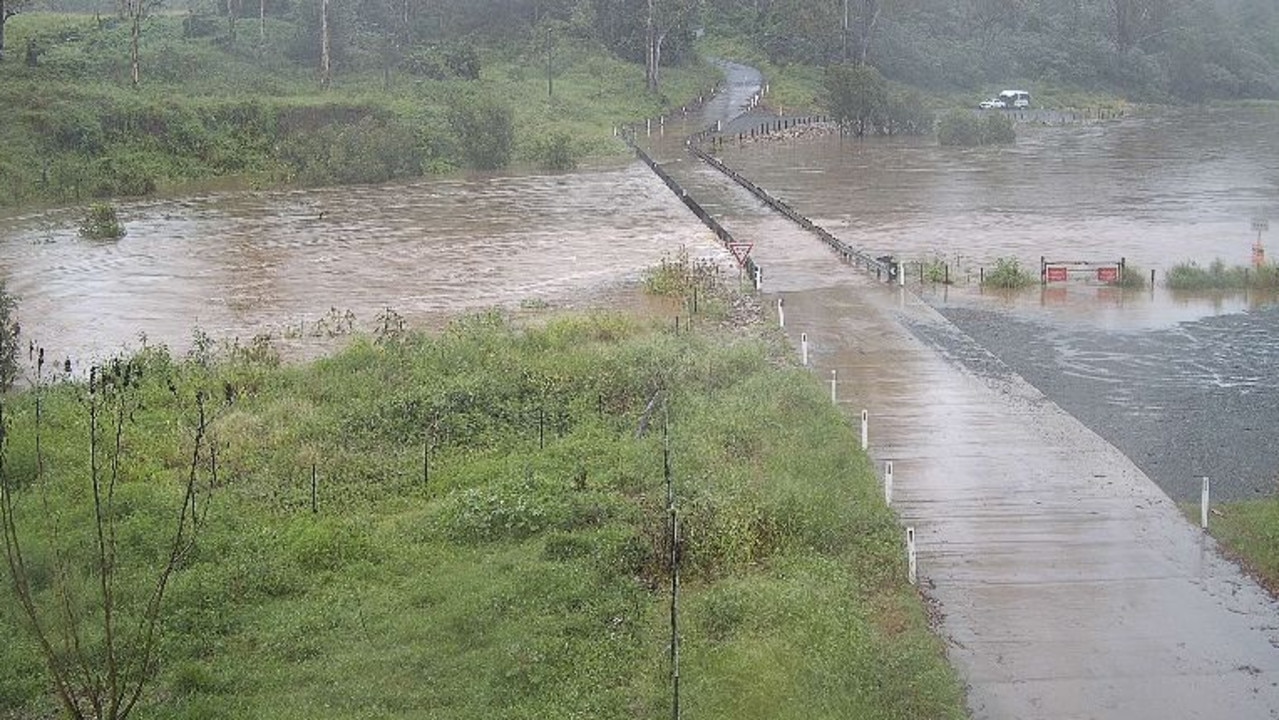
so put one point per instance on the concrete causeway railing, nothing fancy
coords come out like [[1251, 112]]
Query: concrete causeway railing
[[883, 269]]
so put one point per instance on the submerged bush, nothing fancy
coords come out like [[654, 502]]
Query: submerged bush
[[101, 223], [1009, 275], [557, 152], [965, 129], [1190, 276]]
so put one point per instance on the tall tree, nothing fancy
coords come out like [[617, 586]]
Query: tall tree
[[136, 12], [8, 8], [1133, 22], [663, 17], [326, 64]]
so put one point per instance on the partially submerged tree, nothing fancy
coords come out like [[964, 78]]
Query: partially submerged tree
[[857, 97]]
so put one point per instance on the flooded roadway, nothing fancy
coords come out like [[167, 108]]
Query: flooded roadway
[[1069, 584]]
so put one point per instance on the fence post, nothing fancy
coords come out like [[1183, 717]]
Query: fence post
[[888, 483], [865, 430]]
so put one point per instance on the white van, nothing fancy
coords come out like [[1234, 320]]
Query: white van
[[1015, 98]]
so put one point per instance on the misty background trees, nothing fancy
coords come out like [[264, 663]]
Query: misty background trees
[[1151, 49], [106, 98]]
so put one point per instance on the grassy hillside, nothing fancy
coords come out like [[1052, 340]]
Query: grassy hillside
[[520, 569], [73, 127]]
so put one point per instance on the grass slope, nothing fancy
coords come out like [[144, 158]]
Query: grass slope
[[72, 127], [526, 578]]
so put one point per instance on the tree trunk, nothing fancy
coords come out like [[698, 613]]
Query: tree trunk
[[325, 66], [136, 10], [870, 19], [650, 51], [230, 20], [262, 21], [4, 18]]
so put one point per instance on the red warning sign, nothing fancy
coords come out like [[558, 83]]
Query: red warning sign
[[1056, 274], [741, 251], [1108, 274]]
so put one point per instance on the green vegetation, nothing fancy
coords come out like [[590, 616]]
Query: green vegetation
[[863, 102], [1133, 278], [101, 223], [472, 525], [1249, 531], [1190, 276], [966, 128], [1009, 275], [1148, 50], [250, 111], [934, 270], [9, 330]]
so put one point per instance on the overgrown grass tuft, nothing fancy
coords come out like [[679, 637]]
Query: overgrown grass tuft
[[1217, 276], [1009, 275], [1250, 531], [489, 532]]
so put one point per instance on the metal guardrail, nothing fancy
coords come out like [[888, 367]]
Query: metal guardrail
[[722, 233], [848, 253]]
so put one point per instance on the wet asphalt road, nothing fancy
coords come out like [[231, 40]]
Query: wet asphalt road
[[1197, 399]]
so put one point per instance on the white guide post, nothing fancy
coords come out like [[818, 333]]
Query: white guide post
[[912, 570], [1203, 506]]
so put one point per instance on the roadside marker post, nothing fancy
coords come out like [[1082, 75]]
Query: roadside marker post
[[781, 313], [1203, 506], [833, 400], [888, 483], [865, 430], [912, 569], [803, 349]]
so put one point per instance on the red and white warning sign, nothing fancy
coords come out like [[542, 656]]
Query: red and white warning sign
[[741, 251]]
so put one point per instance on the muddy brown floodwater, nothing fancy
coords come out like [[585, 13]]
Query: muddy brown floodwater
[[243, 263], [1068, 583]]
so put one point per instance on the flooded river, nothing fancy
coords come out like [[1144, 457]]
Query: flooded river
[[1156, 189], [240, 264]]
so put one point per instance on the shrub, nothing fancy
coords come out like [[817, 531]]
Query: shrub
[[101, 223], [1133, 278], [1009, 275], [965, 129], [1190, 276], [556, 153], [486, 129], [9, 330]]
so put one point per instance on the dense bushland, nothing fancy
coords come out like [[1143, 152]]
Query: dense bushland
[[212, 106]]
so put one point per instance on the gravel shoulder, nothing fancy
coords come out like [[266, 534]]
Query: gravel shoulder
[[1198, 399]]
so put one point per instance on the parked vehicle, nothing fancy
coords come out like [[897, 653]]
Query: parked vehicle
[[992, 104], [1015, 98]]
